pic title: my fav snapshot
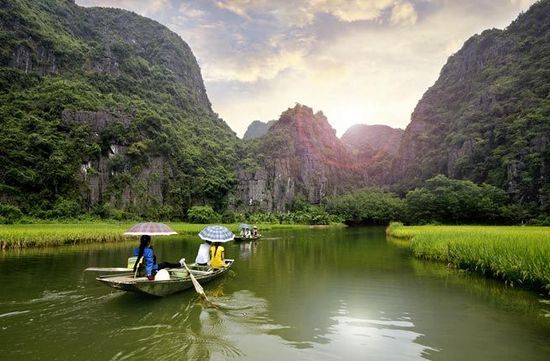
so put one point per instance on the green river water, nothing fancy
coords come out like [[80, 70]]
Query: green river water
[[322, 294]]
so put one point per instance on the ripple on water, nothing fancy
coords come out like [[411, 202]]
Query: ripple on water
[[14, 313]]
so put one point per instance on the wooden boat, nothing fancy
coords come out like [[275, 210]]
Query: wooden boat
[[241, 239], [179, 280]]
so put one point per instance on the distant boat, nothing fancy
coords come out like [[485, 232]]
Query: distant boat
[[241, 239], [179, 280]]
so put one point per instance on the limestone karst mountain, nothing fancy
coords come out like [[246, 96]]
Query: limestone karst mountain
[[487, 117], [104, 109], [299, 156]]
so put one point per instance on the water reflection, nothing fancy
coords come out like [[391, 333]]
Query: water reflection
[[307, 295], [389, 339]]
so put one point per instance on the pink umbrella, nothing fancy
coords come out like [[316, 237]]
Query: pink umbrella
[[151, 229]]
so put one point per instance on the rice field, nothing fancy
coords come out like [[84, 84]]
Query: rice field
[[517, 255], [58, 234]]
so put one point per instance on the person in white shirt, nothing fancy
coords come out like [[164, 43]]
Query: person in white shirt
[[203, 256], [247, 233]]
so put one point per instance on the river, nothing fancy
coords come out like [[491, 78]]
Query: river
[[321, 294]]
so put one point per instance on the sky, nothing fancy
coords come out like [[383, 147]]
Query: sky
[[357, 61]]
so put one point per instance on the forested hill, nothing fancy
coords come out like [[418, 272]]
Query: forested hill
[[487, 117], [103, 110]]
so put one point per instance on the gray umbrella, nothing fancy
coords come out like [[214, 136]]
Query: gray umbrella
[[150, 228], [216, 234]]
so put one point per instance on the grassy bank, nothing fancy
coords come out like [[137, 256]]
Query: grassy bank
[[517, 255], [57, 234]]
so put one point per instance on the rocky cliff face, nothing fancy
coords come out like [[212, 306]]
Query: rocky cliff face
[[299, 156], [99, 174], [257, 129], [486, 117]]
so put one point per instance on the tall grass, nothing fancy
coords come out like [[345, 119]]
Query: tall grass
[[517, 255], [57, 234], [51, 234]]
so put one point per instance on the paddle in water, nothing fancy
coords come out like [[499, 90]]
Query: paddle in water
[[196, 284]]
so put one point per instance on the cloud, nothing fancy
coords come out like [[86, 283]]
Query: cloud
[[302, 12], [361, 73], [359, 61], [262, 66], [190, 12], [354, 10], [403, 14], [239, 7]]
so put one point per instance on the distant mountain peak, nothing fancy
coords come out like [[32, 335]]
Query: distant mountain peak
[[378, 137], [257, 129]]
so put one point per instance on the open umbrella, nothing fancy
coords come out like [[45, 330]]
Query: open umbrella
[[244, 225], [151, 229], [216, 234]]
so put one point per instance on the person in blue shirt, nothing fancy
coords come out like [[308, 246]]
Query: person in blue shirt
[[145, 250]]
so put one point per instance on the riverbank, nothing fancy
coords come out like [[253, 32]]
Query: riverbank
[[58, 234], [516, 255]]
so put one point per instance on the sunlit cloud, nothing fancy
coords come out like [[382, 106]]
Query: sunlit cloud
[[353, 10], [239, 7], [403, 14], [191, 12], [303, 12], [253, 69], [357, 61]]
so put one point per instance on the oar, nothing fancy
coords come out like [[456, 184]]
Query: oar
[[107, 269], [196, 283]]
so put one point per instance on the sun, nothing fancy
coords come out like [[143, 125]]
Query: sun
[[342, 117]]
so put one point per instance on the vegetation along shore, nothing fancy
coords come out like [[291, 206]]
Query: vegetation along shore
[[58, 234], [518, 255]]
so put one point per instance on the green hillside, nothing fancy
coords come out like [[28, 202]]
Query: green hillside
[[102, 109], [487, 117]]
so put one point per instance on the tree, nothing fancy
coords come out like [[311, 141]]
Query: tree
[[367, 206]]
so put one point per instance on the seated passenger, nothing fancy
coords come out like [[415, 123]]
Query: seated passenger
[[203, 256], [145, 250], [217, 256]]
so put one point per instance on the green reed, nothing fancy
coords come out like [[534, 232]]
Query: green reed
[[57, 234], [517, 255]]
